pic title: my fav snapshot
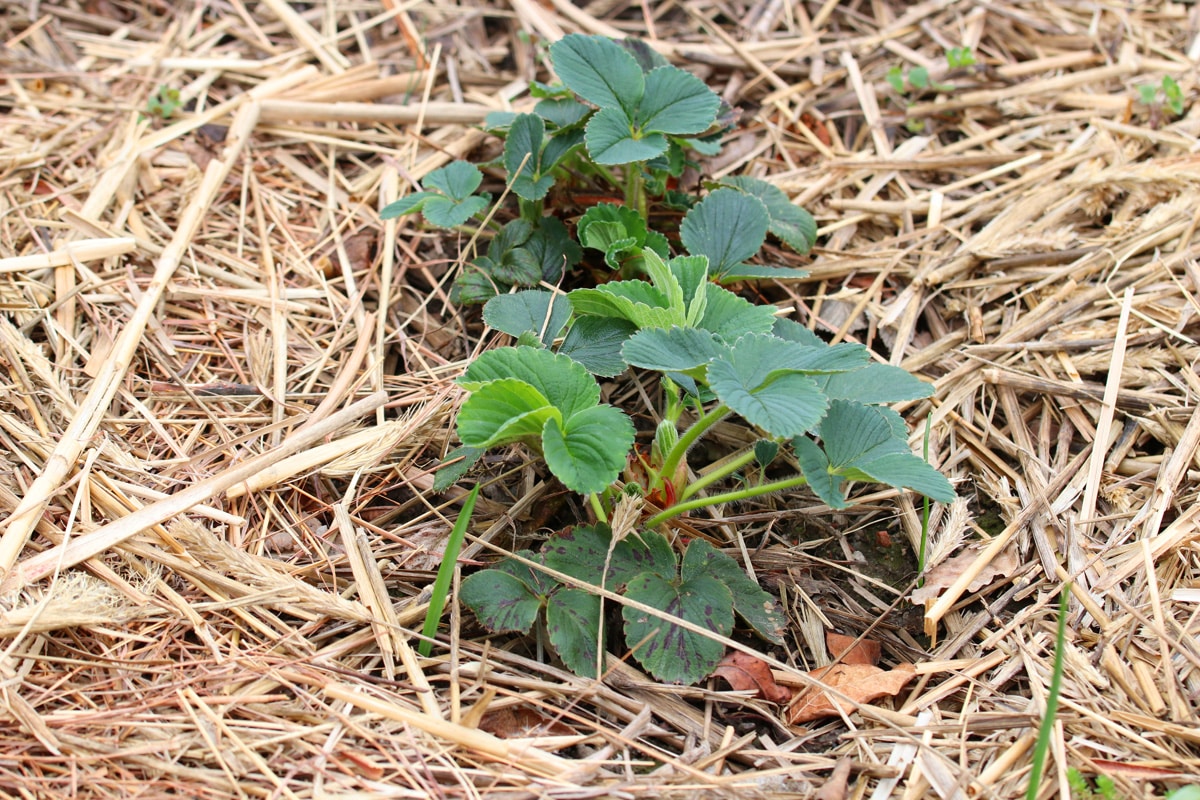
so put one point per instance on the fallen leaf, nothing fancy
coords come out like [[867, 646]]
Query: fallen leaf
[[849, 650], [745, 673], [943, 576], [838, 782], [522, 722], [862, 683]]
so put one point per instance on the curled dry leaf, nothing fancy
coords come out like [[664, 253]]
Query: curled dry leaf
[[862, 683], [522, 722], [943, 576], [746, 673], [849, 650]]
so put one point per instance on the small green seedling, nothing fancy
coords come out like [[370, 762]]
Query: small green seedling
[[1171, 98], [960, 58], [163, 103], [1082, 789]]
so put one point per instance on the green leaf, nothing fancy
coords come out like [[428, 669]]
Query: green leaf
[[503, 411], [860, 443], [538, 581], [692, 274], [638, 553], [579, 552], [500, 601], [756, 381], [534, 310], [551, 245], [815, 467], [588, 450], [895, 78], [647, 57], [677, 102], [760, 272], [596, 343], [876, 383], [446, 213], [458, 180], [561, 112], [524, 146], [670, 653], [795, 332], [728, 227], [474, 285], [599, 70], [919, 77], [792, 224], [636, 301], [449, 474], [674, 349], [730, 317], [573, 625], [405, 205], [563, 383], [765, 451], [759, 609], [611, 139], [561, 144], [663, 279]]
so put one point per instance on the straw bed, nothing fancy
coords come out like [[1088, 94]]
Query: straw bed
[[227, 385]]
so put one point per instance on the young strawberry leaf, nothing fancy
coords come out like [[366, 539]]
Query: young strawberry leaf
[[759, 609], [620, 233], [792, 224], [503, 411], [860, 443], [728, 227], [730, 317], [612, 139], [596, 343], [636, 301], [542, 312], [500, 601], [671, 653], [562, 383], [587, 450], [523, 158], [599, 70], [676, 102], [574, 626], [874, 384], [675, 349], [452, 204], [458, 462], [758, 380]]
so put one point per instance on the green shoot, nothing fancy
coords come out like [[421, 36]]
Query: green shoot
[[1046, 731], [445, 575]]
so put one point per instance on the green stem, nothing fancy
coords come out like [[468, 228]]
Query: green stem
[[726, 497], [691, 436], [635, 189], [598, 507], [717, 474], [531, 210], [1046, 731]]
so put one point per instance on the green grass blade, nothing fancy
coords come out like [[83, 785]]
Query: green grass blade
[[1047, 728], [441, 585]]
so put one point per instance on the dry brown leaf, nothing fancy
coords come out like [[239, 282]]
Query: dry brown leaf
[[943, 576], [746, 673], [838, 782], [862, 683], [522, 722], [850, 650]]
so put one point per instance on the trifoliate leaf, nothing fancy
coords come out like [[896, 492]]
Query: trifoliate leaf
[[503, 411], [756, 380], [674, 349], [611, 139], [580, 552], [791, 223], [730, 317]]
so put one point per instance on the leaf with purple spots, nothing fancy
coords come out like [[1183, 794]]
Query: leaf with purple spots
[[573, 622], [670, 652]]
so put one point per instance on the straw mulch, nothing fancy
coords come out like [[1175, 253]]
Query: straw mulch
[[225, 383]]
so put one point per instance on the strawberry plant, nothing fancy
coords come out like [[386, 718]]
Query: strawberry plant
[[626, 118], [622, 106]]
